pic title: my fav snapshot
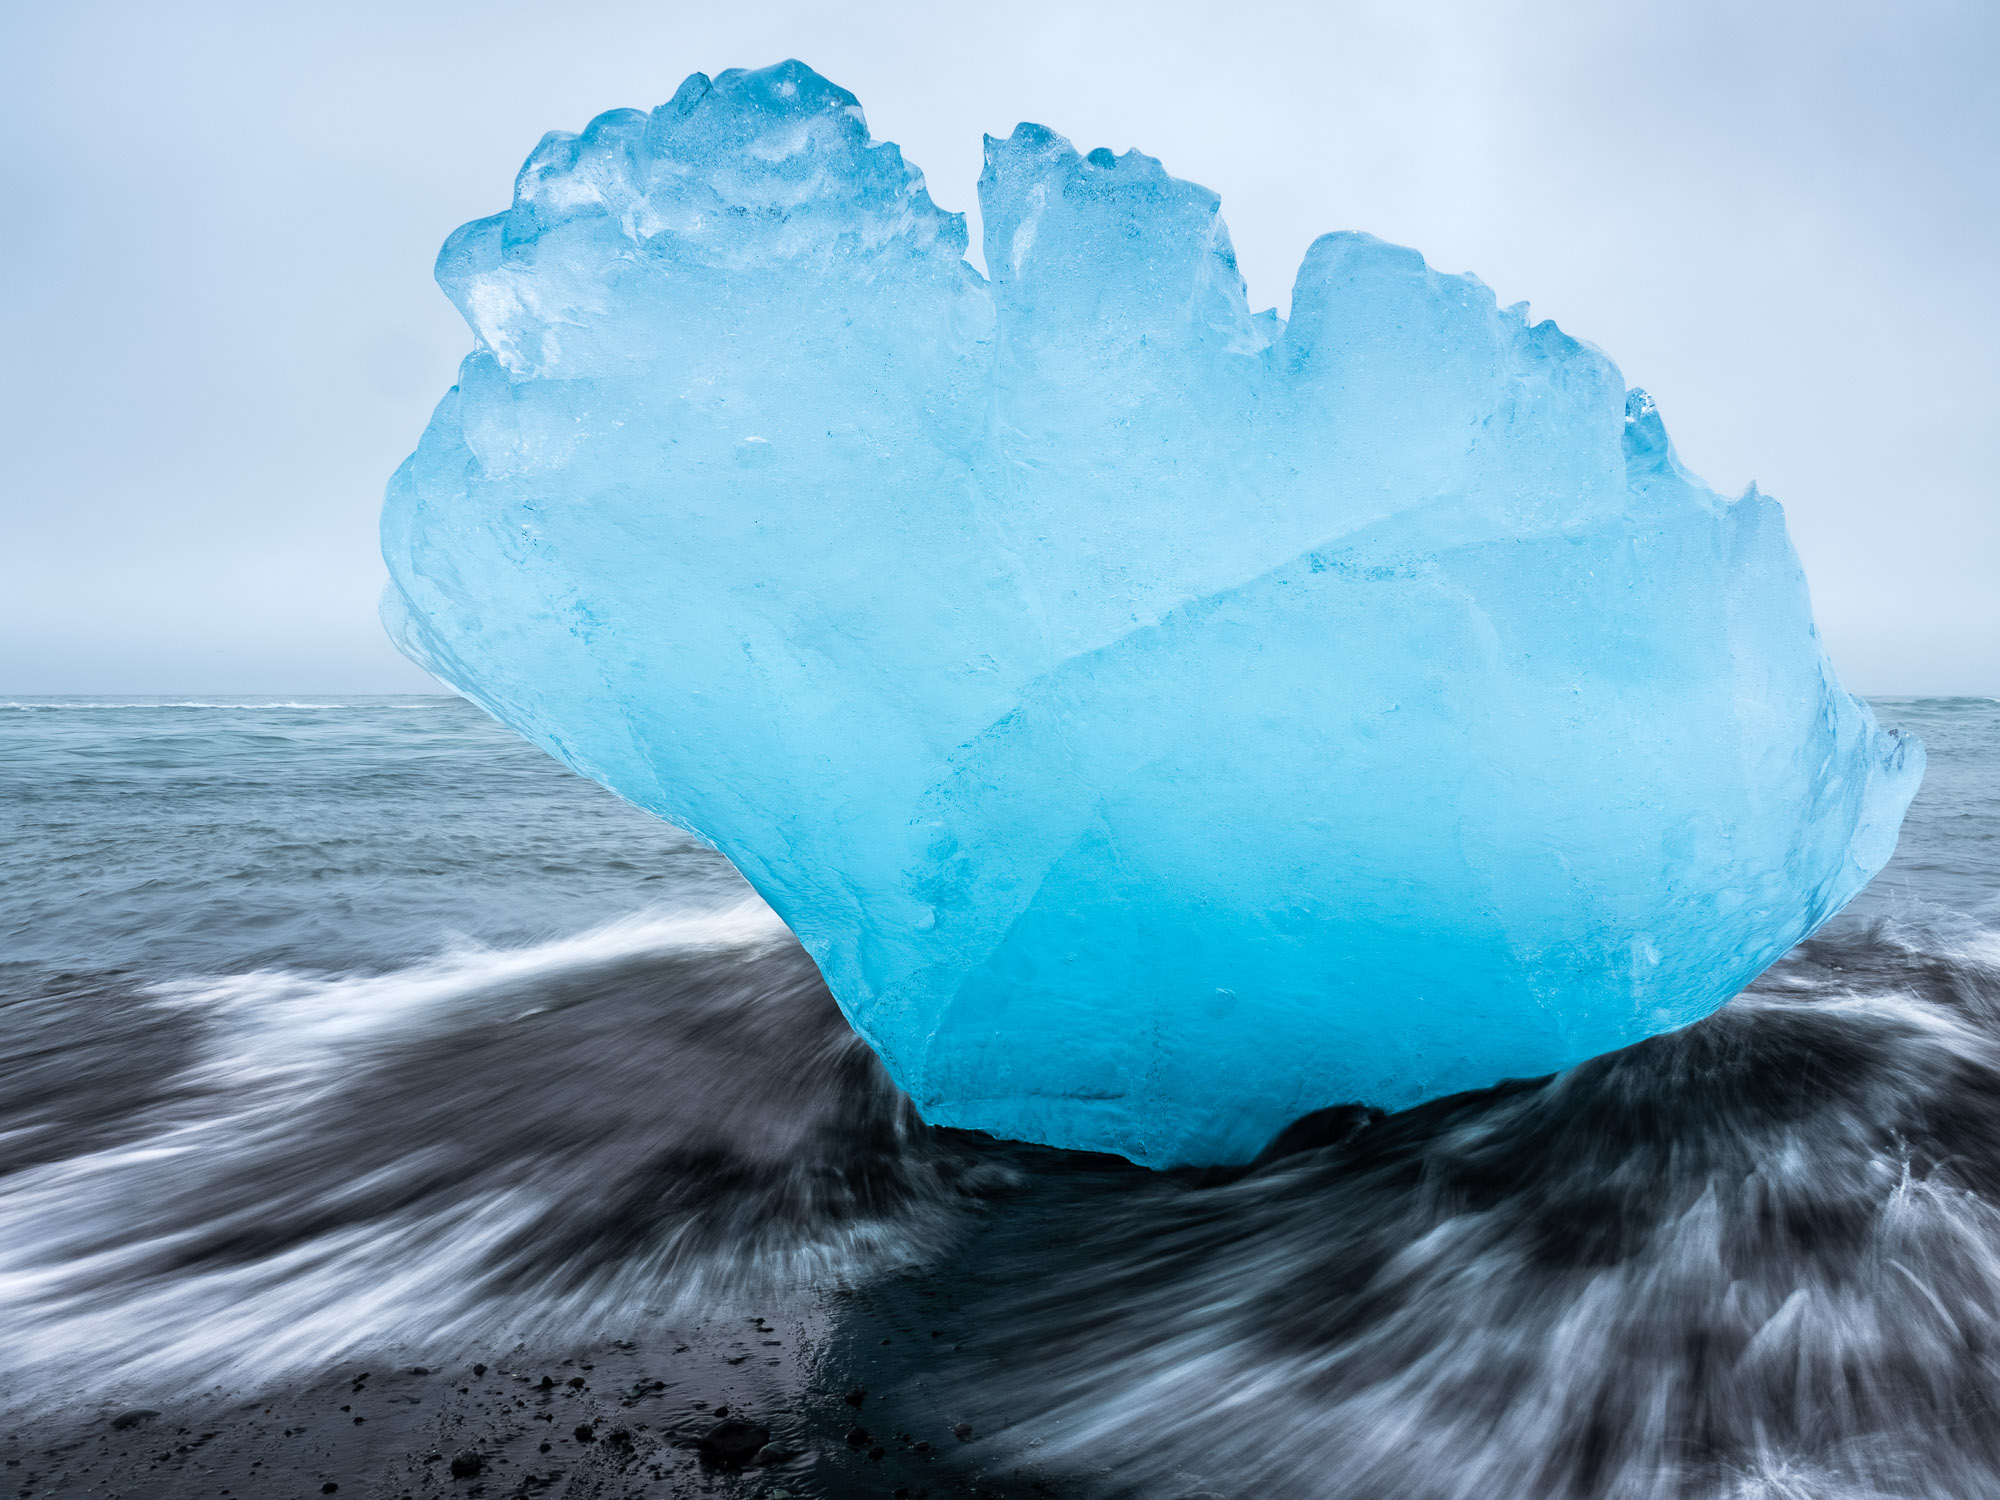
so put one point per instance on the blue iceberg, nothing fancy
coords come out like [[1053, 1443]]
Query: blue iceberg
[[1158, 720]]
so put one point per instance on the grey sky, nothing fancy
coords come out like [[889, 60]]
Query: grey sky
[[219, 224]]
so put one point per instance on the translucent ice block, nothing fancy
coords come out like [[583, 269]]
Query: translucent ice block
[[1157, 720]]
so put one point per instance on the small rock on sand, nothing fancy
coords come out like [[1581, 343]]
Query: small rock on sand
[[733, 1443]]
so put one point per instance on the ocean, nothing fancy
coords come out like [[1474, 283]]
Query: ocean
[[338, 1031]]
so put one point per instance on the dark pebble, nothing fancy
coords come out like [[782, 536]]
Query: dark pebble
[[856, 1396], [139, 1416], [877, 1452], [619, 1438], [722, 1411], [1322, 1128], [585, 1433], [328, 1488], [467, 1462], [732, 1444], [857, 1437], [548, 1382], [420, 1369], [479, 1369], [963, 1432]]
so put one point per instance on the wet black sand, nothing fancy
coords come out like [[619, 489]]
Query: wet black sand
[[770, 1406], [625, 1418]]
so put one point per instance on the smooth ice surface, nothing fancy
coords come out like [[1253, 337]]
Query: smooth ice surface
[[1157, 721]]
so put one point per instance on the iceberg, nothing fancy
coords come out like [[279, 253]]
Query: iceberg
[[1158, 720]]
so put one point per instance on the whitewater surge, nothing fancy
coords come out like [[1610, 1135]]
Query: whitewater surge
[[1757, 1257], [665, 1114]]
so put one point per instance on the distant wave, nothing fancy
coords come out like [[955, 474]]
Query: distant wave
[[297, 1012]]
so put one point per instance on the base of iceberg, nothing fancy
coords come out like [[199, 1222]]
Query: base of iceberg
[[1157, 720]]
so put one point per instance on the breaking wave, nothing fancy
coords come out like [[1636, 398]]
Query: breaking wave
[[1759, 1257], [665, 1112]]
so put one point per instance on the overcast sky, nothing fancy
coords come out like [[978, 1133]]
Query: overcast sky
[[220, 221]]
